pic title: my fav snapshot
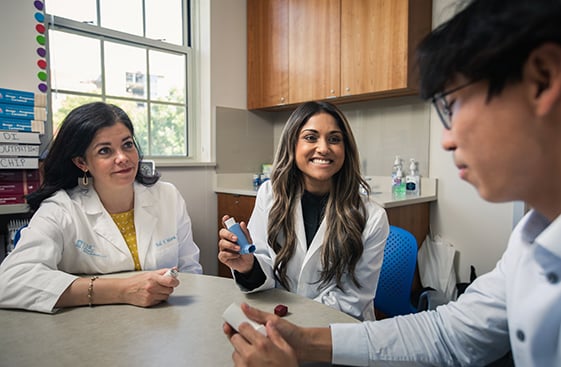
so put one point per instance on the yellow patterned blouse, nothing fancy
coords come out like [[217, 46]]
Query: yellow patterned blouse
[[125, 223]]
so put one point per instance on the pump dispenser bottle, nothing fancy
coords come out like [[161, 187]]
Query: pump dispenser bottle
[[412, 180], [398, 180]]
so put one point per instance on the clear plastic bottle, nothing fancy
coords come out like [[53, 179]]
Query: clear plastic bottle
[[398, 179], [412, 180]]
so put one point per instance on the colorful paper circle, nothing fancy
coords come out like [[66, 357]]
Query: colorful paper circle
[[40, 17], [40, 28], [42, 64], [41, 52], [40, 39], [38, 5], [42, 76]]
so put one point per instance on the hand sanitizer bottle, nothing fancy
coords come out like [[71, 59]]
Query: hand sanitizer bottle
[[398, 182], [412, 180]]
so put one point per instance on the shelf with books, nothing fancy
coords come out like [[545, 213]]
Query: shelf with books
[[22, 122]]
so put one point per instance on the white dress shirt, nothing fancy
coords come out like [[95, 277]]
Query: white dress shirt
[[516, 306]]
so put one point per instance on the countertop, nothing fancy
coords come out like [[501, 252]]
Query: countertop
[[240, 184]]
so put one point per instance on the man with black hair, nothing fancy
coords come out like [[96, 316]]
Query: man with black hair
[[493, 73]]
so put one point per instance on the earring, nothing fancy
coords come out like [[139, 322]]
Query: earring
[[84, 181]]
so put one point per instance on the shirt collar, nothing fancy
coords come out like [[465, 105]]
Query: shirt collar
[[545, 233]]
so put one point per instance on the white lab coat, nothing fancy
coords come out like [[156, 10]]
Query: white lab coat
[[304, 268], [72, 233]]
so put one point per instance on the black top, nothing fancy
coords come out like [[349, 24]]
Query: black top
[[313, 209]]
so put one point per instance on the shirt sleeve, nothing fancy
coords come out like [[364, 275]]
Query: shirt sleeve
[[252, 279], [472, 331]]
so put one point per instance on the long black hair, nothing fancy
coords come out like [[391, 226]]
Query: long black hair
[[345, 213], [73, 138]]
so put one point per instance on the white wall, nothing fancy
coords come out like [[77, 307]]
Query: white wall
[[18, 69]]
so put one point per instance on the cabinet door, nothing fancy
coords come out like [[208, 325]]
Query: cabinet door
[[378, 41], [237, 206], [314, 49], [267, 53]]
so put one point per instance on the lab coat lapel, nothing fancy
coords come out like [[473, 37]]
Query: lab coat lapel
[[317, 241], [145, 221], [102, 223], [302, 246]]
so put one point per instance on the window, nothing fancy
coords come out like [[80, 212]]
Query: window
[[132, 53]]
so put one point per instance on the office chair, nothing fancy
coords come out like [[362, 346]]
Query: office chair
[[393, 295], [17, 235]]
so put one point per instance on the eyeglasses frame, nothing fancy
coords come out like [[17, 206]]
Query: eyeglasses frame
[[440, 97]]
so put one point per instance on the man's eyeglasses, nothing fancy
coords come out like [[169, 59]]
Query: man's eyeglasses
[[443, 107]]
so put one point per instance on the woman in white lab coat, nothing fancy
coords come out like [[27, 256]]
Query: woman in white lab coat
[[97, 213], [315, 234]]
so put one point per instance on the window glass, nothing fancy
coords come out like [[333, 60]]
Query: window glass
[[125, 70], [72, 70], [122, 15], [63, 103], [169, 137], [82, 11], [163, 20], [168, 76], [146, 78]]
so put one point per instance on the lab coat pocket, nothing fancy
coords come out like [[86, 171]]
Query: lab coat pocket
[[166, 251]]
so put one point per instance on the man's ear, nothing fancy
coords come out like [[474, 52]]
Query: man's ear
[[543, 71], [80, 163]]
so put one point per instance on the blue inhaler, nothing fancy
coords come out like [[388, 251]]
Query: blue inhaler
[[245, 246]]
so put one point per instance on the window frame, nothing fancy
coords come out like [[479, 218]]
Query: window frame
[[192, 128]]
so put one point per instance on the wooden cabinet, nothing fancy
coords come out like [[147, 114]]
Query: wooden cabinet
[[267, 53], [338, 50], [313, 50], [237, 206]]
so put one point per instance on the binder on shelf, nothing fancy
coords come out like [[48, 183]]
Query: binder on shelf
[[19, 175], [14, 185], [19, 137], [18, 188], [11, 199], [19, 150], [8, 110], [19, 163], [22, 125], [22, 97]]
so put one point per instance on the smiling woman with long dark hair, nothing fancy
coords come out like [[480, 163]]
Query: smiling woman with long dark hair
[[315, 234]]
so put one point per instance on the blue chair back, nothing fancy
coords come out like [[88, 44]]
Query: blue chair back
[[393, 295], [18, 234]]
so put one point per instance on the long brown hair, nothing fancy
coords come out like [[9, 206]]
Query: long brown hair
[[345, 212]]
